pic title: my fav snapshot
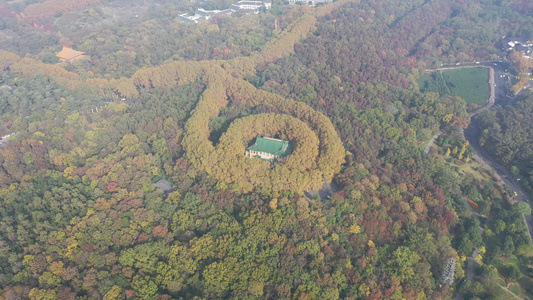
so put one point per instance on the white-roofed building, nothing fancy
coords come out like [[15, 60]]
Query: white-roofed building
[[310, 2]]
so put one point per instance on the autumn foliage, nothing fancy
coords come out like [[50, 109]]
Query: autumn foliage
[[51, 7], [81, 216], [318, 151], [166, 75]]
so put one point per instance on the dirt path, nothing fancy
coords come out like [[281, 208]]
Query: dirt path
[[509, 292], [7, 36], [430, 143]]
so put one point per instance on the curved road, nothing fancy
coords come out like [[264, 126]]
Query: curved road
[[472, 134], [499, 81], [498, 96]]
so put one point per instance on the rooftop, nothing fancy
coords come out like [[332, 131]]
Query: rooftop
[[250, 2], [164, 185], [515, 40], [68, 53], [271, 145]]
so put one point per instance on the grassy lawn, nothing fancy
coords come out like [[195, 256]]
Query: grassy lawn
[[473, 168], [515, 288], [524, 285], [527, 286], [504, 261], [471, 84], [424, 80]]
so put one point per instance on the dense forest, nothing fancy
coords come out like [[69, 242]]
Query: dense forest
[[81, 216]]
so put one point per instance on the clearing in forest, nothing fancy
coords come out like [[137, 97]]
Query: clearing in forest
[[471, 84]]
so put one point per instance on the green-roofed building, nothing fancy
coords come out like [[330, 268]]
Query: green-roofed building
[[268, 149]]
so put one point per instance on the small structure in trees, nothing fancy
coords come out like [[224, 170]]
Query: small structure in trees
[[520, 45], [69, 54], [268, 149], [251, 5], [164, 185]]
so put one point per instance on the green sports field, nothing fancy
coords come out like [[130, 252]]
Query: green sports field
[[471, 84]]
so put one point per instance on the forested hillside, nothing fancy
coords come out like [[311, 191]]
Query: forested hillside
[[82, 218]]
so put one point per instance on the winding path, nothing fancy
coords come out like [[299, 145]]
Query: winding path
[[509, 292], [430, 143]]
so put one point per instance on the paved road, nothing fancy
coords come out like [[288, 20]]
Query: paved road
[[472, 134], [469, 271], [502, 78], [461, 66], [470, 267], [504, 81], [492, 88], [328, 188], [500, 82]]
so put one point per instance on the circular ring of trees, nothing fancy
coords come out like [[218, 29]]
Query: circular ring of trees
[[300, 165], [317, 150]]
